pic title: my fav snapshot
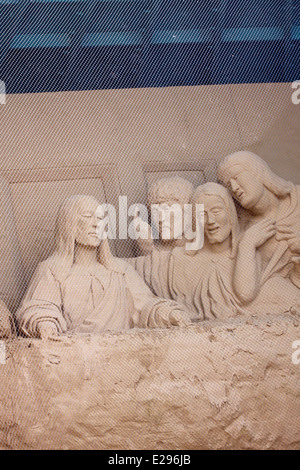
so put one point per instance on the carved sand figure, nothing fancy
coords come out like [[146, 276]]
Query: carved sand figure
[[152, 266], [82, 288], [265, 195], [202, 280], [211, 282]]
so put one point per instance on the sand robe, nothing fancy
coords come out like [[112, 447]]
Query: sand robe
[[154, 270], [276, 255], [203, 283], [95, 301]]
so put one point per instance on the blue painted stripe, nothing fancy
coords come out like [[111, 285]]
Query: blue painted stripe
[[181, 36], [150, 43], [8, 2], [24, 41], [253, 34], [44, 1], [111, 39], [296, 33]]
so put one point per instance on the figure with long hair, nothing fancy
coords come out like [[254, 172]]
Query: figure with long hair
[[83, 288], [266, 199], [211, 281]]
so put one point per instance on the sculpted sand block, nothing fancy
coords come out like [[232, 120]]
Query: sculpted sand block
[[101, 379], [215, 385], [82, 288], [246, 266]]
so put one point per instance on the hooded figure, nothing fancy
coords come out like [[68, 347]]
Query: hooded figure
[[264, 195], [82, 288]]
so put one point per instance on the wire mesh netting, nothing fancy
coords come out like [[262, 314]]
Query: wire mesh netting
[[137, 103]]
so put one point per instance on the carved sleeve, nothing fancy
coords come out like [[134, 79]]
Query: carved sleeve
[[151, 311], [42, 302]]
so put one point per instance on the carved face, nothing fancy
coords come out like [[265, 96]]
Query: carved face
[[245, 187], [170, 216], [87, 224], [217, 225]]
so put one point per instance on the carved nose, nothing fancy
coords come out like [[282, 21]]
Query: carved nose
[[210, 219], [234, 185]]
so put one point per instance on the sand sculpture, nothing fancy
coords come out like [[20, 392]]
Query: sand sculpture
[[225, 278], [82, 288], [245, 267], [153, 265], [203, 279], [264, 195], [213, 385]]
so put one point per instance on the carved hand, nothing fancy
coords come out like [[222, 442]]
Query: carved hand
[[259, 233], [47, 330], [180, 318], [168, 316], [292, 238]]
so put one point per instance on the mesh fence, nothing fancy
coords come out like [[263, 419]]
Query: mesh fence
[[139, 102]]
